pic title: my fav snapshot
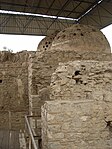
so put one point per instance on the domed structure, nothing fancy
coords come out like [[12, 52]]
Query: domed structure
[[81, 38], [46, 43]]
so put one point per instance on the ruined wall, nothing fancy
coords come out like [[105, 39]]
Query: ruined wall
[[41, 68], [68, 45], [80, 115], [14, 102], [82, 80], [78, 42], [79, 124]]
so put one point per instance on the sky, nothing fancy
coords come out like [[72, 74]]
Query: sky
[[107, 31], [18, 43]]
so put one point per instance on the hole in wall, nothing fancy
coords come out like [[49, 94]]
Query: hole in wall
[[46, 45], [58, 37], [81, 81], [77, 72], [93, 30], [63, 36], [0, 81], [109, 123], [74, 34], [85, 83], [78, 81], [109, 126], [82, 34], [2, 107], [84, 68], [82, 65]]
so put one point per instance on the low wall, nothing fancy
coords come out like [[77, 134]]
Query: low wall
[[79, 124]]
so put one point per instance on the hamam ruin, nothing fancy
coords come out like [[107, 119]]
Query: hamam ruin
[[64, 90]]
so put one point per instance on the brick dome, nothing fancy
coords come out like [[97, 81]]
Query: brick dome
[[81, 38], [46, 42]]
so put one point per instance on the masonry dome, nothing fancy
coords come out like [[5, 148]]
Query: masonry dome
[[81, 38], [46, 42]]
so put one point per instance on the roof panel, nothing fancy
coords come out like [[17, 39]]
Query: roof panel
[[101, 14], [86, 11]]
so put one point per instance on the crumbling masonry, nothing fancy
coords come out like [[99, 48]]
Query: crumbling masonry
[[67, 83]]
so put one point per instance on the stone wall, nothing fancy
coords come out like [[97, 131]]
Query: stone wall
[[14, 102], [84, 119], [80, 115], [78, 42], [79, 124], [41, 67], [78, 80]]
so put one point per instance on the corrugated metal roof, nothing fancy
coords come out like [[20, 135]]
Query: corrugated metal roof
[[92, 12]]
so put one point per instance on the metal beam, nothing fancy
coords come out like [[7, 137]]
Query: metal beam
[[90, 8], [82, 1], [63, 7], [30, 25], [74, 9], [35, 8], [50, 6], [32, 20]]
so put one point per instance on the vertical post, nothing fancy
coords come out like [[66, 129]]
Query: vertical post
[[29, 144], [9, 120]]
